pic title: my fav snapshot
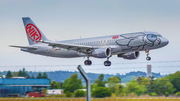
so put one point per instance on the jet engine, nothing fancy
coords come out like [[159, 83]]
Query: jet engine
[[101, 53], [130, 55]]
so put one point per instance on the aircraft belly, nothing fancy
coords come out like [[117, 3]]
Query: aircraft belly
[[63, 53]]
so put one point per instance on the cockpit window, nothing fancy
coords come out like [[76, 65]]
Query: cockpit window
[[155, 36], [152, 37], [153, 33], [159, 36]]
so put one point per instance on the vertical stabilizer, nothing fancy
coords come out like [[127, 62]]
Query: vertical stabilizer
[[34, 34]]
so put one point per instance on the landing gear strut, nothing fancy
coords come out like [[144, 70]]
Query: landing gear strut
[[87, 62], [107, 63], [147, 54]]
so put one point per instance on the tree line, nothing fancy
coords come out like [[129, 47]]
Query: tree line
[[141, 85], [138, 86], [61, 76], [104, 88], [24, 73]]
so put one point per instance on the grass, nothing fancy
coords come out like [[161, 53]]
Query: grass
[[84, 99]]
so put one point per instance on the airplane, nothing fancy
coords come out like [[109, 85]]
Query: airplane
[[126, 46]]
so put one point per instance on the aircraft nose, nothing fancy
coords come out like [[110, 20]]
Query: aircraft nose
[[164, 41]]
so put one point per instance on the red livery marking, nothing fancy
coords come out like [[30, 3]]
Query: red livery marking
[[33, 32], [115, 37]]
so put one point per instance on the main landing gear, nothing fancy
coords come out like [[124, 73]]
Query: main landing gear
[[107, 63], [147, 54], [88, 62]]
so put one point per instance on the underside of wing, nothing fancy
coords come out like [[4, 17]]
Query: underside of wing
[[78, 48]]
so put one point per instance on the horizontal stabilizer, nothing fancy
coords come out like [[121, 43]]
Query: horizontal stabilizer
[[24, 47]]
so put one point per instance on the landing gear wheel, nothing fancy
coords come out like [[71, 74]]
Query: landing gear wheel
[[147, 54], [148, 58], [87, 62], [107, 63]]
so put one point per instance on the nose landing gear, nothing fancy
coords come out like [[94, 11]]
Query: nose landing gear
[[147, 54]]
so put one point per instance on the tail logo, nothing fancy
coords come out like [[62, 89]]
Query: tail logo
[[33, 32]]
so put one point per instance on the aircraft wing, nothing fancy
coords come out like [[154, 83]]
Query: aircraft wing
[[78, 48], [27, 47]]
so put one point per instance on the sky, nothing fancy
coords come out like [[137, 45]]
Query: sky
[[72, 19]]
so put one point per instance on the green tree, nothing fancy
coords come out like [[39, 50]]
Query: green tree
[[119, 79], [66, 85], [9, 75], [45, 91], [53, 85], [150, 87], [58, 85], [73, 83], [101, 92], [145, 83], [162, 85], [49, 81], [139, 80], [112, 81], [20, 73], [39, 76], [93, 86], [117, 89], [23, 73], [99, 81], [79, 93], [175, 80], [177, 94], [61, 84], [134, 87], [15, 74], [153, 94], [68, 94], [121, 90], [166, 94], [45, 76]]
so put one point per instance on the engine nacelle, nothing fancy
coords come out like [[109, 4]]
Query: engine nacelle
[[101, 53], [133, 55]]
